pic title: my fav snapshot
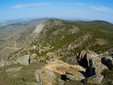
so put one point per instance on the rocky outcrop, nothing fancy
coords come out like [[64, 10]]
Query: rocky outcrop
[[45, 77], [39, 28], [25, 60], [94, 64], [85, 57], [67, 72]]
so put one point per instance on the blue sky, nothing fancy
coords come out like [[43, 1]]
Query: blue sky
[[68, 9]]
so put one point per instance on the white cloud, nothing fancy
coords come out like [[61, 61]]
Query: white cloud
[[102, 8], [29, 5], [97, 8]]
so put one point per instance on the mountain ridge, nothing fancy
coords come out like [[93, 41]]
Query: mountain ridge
[[60, 46]]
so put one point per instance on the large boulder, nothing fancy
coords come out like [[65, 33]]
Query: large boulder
[[61, 67], [92, 62], [84, 57], [71, 72], [96, 66], [25, 60], [45, 77]]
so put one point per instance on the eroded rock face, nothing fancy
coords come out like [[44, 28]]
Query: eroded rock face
[[25, 60], [45, 77]]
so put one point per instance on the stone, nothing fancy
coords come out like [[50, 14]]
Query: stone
[[96, 79], [33, 58], [45, 77], [25, 60], [14, 69]]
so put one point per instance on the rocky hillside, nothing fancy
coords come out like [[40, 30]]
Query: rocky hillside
[[63, 39], [60, 52]]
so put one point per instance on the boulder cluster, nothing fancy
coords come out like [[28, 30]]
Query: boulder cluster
[[89, 69], [94, 64]]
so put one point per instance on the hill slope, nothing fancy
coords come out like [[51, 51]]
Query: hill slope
[[63, 39]]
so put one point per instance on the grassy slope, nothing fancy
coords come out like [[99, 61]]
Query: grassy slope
[[97, 29], [23, 77]]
